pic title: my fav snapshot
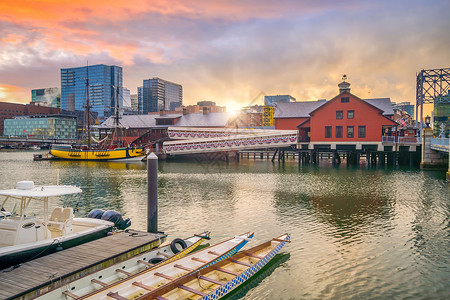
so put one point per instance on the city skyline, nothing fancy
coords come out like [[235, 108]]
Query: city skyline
[[230, 52]]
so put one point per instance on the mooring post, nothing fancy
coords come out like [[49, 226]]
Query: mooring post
[[152, 193]]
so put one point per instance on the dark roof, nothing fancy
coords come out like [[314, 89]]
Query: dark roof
[[382, 103], [296, 109], [212, 119]]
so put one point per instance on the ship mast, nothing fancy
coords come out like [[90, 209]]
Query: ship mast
[[87, 111], [116, 118]]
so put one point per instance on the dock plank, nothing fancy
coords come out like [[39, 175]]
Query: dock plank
[[55, 270]]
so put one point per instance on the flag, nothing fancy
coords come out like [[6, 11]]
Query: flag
[[402, 121], [24, 130]]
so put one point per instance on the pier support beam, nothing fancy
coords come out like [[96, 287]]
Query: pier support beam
[[274, 154], [152, 193]]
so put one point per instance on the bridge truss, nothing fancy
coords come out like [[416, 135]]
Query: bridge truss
[[433, 86]]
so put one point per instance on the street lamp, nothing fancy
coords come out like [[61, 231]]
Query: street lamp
[[427, 121]]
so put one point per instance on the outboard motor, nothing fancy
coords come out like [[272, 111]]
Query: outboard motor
[[96, 213], [116, 218]]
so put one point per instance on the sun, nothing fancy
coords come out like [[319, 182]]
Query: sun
[[233, 107], [233, 113]]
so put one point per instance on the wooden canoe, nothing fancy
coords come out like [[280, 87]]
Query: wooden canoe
[[118, 272], [216, 281], [139, 284]]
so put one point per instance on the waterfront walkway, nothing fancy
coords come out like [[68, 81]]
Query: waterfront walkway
[[54, 270], [202, 140]]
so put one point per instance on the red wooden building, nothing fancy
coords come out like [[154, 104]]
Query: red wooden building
[[343, 120]]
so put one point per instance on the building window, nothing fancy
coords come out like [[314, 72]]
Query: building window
[[361, 131], [327, 131], [345, 99], [339, 114], [338, 131], [350, 131], [350, 114]]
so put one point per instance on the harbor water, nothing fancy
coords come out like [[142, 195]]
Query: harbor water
[[357, 233]]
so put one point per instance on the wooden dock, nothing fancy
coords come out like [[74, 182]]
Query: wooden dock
[[52, 271]]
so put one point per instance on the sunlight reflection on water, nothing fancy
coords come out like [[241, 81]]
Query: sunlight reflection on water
[[356, 233]]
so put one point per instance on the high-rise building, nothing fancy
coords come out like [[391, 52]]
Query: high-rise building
[[141, 100], [134, 102], [159, 94], [50, 97], [126, 98], [102, 81]]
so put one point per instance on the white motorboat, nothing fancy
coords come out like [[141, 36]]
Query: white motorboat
[[25, 236]]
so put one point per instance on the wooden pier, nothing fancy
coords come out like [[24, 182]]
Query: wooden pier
[[38, 276]]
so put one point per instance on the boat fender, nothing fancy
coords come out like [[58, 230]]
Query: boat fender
[[156, 260], [173, 245], [96, 213], [116, 218]]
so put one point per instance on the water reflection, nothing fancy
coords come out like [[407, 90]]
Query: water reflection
[[278, 261], [356, 232]]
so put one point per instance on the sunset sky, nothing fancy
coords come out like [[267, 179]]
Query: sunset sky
[[232, 52]]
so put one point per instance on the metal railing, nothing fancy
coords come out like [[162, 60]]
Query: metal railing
[[402, 139], [439, 141], [440, 144], [409, 140]]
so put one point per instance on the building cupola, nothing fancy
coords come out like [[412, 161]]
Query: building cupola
[[344, 86]]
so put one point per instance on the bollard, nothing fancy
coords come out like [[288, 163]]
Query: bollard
[[152, 193]]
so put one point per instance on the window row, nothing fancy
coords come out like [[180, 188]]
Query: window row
[[350, 132], [340, 114]]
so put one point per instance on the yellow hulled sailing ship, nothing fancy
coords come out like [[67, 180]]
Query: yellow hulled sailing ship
[[110, 148], [68, 152]]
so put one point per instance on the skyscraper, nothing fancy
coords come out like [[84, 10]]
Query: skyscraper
[[159, 94], [102, 81], [140, 100]]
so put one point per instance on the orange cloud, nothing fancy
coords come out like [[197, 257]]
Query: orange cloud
[[10, 93], [53, 11]]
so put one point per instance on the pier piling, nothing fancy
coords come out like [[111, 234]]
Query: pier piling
[[152, 193]]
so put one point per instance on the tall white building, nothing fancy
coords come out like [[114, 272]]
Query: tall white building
[[126, 98]]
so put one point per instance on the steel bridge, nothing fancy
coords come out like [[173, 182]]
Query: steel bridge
[[433, 86]]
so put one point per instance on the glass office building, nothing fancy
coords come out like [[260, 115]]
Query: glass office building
[[50, 97], [102, 81], [441, 116], [159, 94], [53, 126], [140, 102], [273, 100]]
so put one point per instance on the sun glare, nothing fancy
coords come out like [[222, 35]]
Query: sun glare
[[233, 107]]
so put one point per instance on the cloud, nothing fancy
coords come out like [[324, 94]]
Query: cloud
[[230, 50]]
